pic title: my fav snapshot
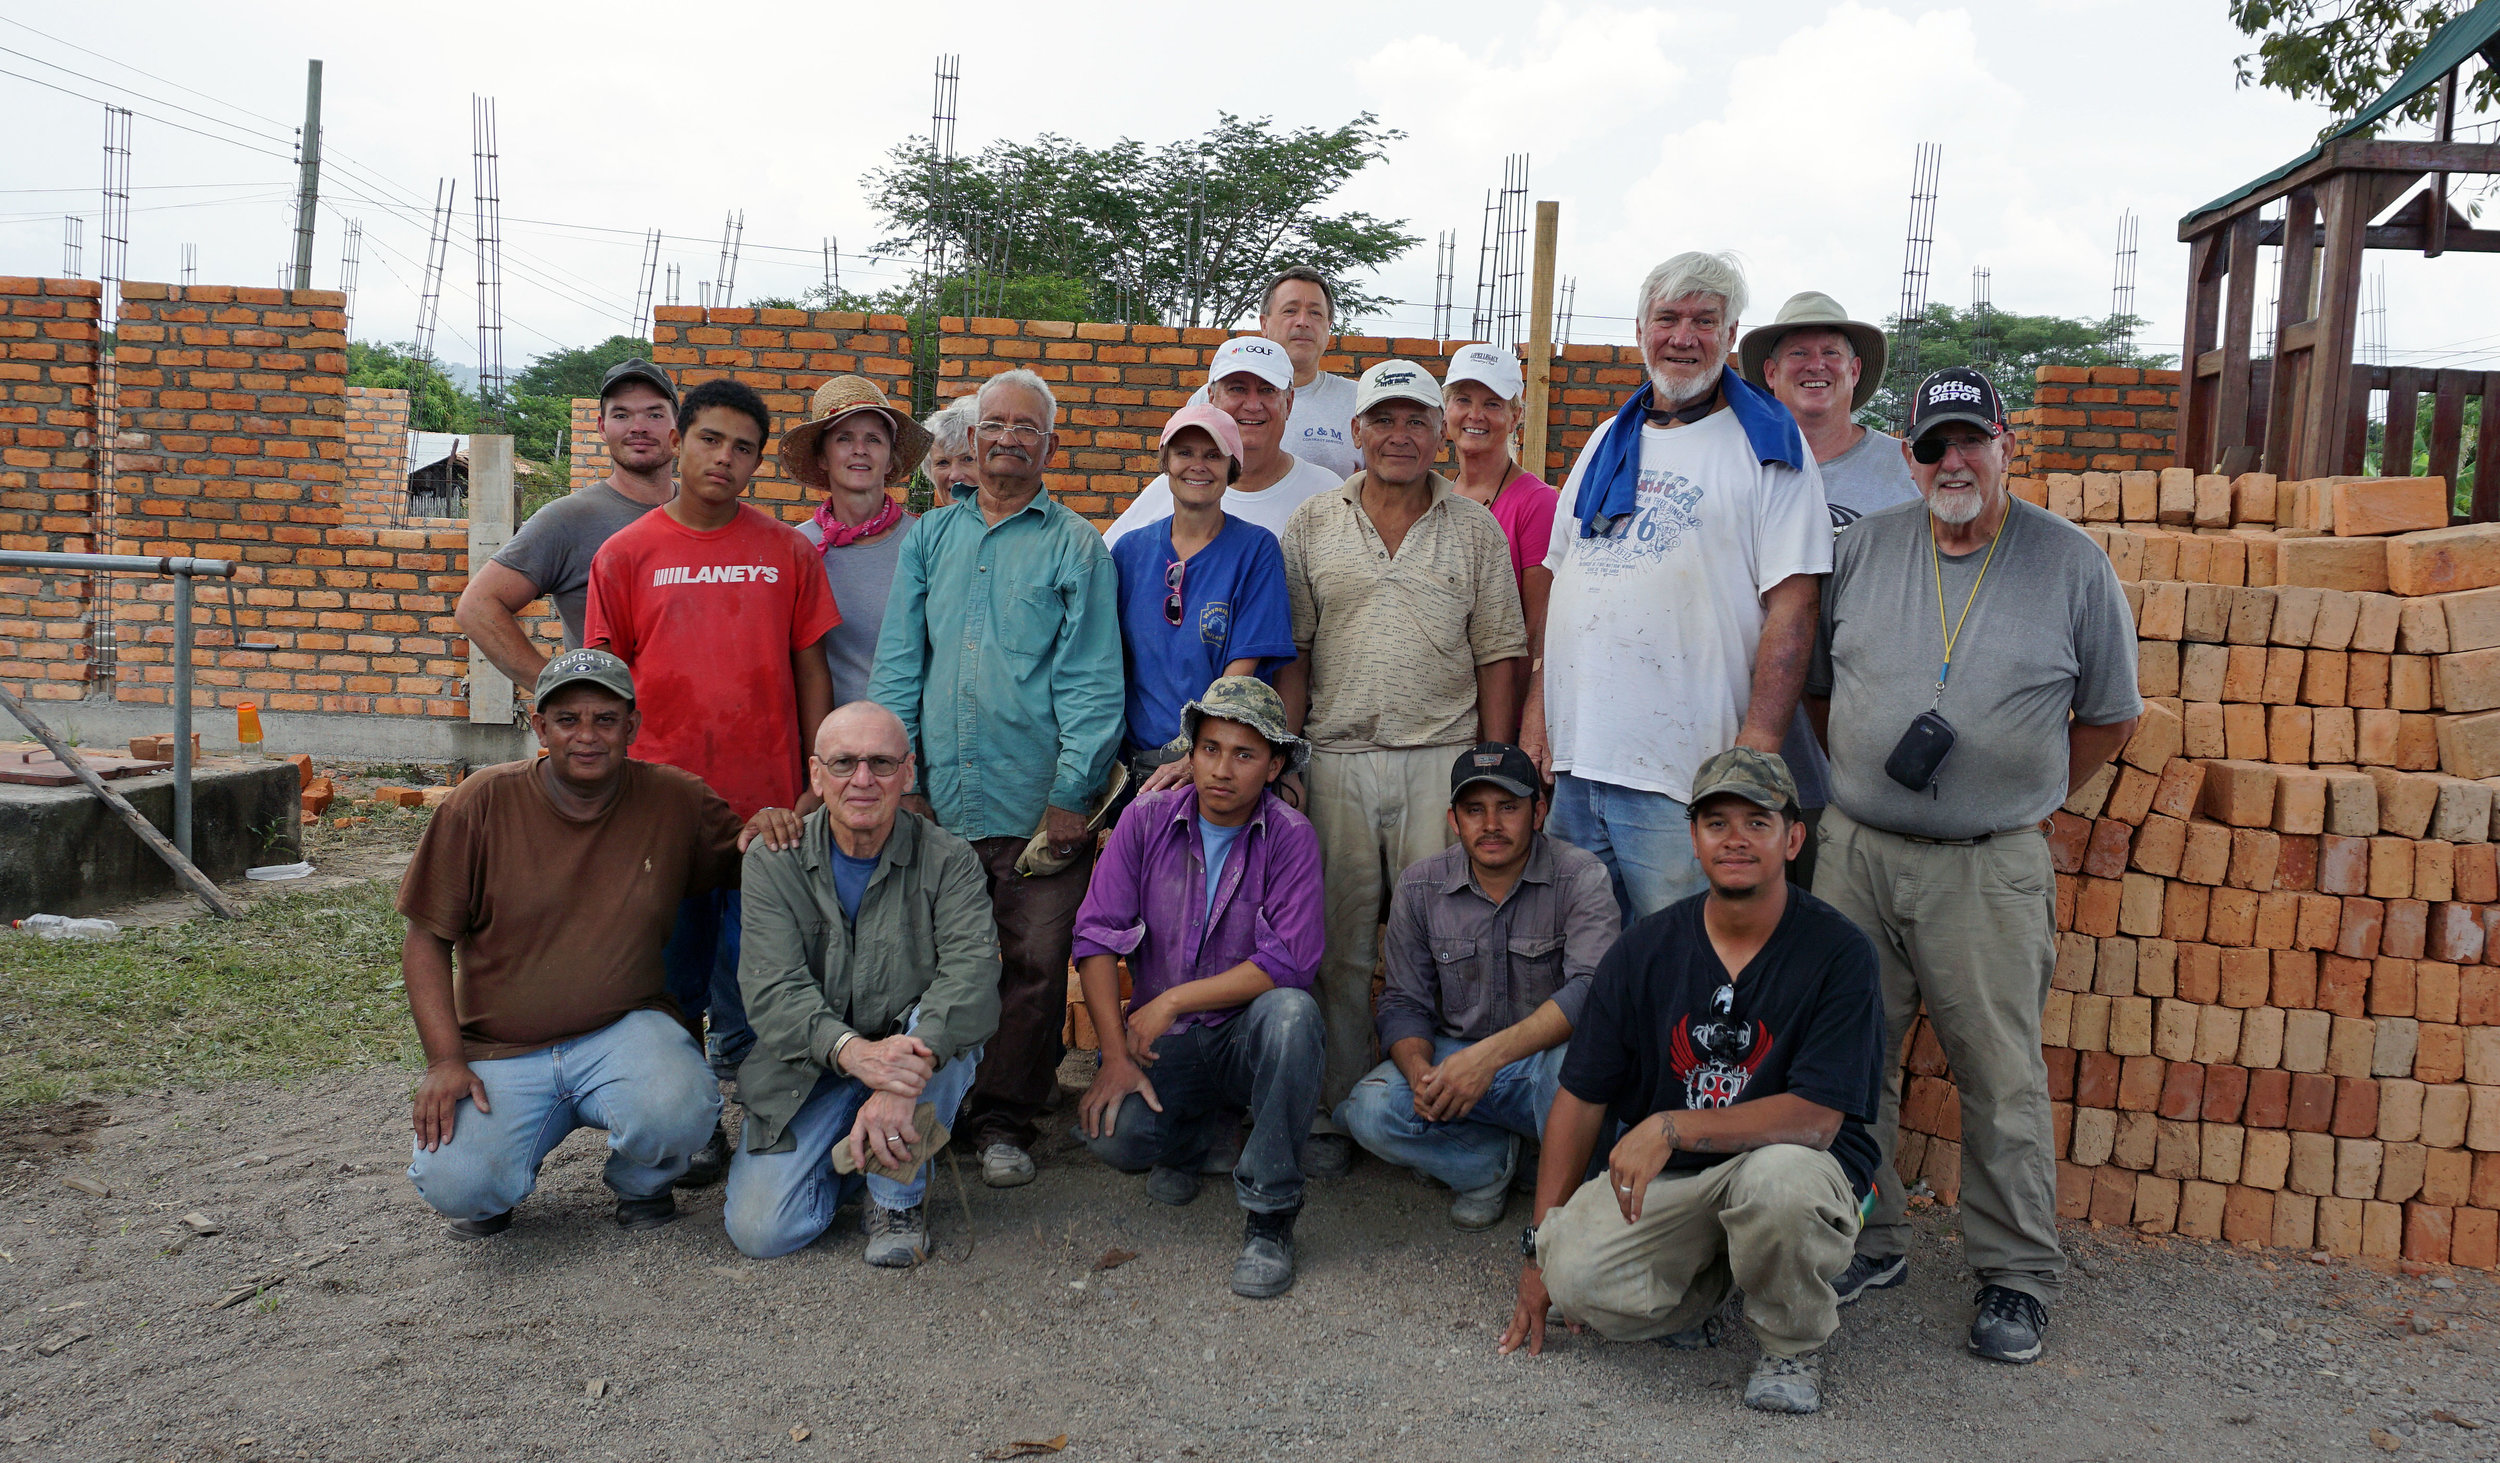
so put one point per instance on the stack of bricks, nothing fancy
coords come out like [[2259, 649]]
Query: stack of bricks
[[47, 459], [585, 450], [2098, 419], [2275, 1013]]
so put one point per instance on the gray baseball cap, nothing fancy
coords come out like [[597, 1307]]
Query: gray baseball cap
[[596, 667], [637, 369]]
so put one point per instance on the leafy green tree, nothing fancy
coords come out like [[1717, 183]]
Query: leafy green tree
[[436, 403], [2012, 349], [575, 371], [1186, 233], [2343, 53]]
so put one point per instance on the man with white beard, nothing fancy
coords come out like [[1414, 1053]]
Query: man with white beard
[[1946, 755], [1685, 567]]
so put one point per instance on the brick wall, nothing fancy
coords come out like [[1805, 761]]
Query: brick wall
[[375, 490], [2098, 419], [47, 431], [585, 451]]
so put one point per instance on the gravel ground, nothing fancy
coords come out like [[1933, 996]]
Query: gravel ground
[[375, 1335]]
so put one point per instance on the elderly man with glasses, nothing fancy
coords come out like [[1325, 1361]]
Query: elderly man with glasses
[[870, 969], [1001, 654]]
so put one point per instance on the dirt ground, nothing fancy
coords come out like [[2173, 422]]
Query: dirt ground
[[363, 1330]]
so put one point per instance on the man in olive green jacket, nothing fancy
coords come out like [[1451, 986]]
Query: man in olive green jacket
[[870, 970]]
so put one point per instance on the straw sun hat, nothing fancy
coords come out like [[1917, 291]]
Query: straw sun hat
[[836, 399]]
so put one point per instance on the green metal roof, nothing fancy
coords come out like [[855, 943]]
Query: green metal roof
[[2450, 47]]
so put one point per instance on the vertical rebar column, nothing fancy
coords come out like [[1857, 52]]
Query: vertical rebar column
[[182, 712]]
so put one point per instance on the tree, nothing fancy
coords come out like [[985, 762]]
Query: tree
[[2343, 53], [576, 370], [2015, 347], [1187, 233], [435, 402]]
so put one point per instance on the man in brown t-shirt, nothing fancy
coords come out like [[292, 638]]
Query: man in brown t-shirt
[[558, 880]]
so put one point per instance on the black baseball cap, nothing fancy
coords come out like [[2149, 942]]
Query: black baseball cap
[[1499, 763], [1955, 394], [640, 370]]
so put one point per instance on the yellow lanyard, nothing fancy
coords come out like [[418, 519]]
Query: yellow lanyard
[[1936, 560]]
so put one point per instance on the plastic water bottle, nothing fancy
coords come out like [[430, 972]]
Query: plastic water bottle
[[62, 927]]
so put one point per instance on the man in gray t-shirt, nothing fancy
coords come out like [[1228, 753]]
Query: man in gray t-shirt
[[1932, 842], [551, 553]]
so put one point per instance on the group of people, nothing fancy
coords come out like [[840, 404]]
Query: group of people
[[1638, 798]]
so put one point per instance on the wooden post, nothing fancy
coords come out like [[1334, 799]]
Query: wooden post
[[2196, 384], [185, 870], [2292, 364], [492, 507], [1540, 362], [2239, 320], [2345, 199]]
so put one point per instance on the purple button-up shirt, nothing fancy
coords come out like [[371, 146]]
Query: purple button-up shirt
[[1148, 900]]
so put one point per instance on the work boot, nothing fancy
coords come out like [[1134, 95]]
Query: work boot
[[1327, 1156], [1786, 1383], [1265, 1268], [1869, 1272], [492, 1224], [633, 1214], [897, 1238], [1005, 1166], [1481, 1208], [2009, 1325], [1714, 1328], [1173, 1186], [709, 1162]]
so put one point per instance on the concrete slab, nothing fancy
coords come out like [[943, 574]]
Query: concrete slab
[[62, 851], [328, 736]]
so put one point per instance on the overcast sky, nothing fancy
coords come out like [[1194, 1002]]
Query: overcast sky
[[1784, 131]]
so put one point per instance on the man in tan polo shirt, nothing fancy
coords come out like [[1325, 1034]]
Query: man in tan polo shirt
[[1406, 617]]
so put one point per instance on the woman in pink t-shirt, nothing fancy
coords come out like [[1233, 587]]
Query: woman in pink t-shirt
[[1482, 406]]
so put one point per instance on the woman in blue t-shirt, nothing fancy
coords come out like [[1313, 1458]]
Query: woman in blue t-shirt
[[1202, 594]]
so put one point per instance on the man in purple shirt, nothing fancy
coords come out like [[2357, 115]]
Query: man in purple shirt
[[1212, 892]]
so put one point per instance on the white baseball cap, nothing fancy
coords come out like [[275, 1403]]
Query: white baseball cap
[[1492, 365], [1256, 354], [1396, 381]]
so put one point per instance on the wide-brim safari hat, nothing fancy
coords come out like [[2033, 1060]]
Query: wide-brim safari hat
[[836, 399], [1815, 310]]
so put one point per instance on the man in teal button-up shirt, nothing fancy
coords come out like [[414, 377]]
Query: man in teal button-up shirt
[[1001, 653]]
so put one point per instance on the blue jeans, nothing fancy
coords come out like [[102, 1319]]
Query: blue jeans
[[1469, 1153], [779, 1202], [639, 1077], [1643, 838], [702, 961], [1268, 1059]]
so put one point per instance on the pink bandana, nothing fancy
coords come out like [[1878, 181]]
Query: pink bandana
[[840, 535]]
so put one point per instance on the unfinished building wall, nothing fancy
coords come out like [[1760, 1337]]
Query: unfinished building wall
[[48, 337]]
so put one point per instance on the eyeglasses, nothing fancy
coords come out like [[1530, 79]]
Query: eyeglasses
[[1931, 448], [1010, 432], [1172, 576], [843, 767]]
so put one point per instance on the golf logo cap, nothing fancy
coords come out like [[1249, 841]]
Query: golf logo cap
[[1256, 354], [1396, 381]]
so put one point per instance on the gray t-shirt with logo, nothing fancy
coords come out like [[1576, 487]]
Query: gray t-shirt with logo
[[1868, 478], [554, 548], [2049, 634]]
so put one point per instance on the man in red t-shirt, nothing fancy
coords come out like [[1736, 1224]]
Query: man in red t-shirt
[[722, 612]]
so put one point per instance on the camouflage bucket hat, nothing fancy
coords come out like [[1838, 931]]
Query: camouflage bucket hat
[[1760, 778], [1255, 704]]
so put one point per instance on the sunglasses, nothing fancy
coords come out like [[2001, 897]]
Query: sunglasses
[[1172, 575], [1931, 448]]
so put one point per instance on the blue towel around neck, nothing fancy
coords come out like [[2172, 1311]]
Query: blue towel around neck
[[1610, 489]]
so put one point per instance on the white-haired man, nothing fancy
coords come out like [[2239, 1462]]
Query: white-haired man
[[1299, 312], [1001, 653], [1685, 566], [1250, 380]]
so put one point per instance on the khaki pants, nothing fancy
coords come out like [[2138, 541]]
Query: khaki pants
[[1970, 932], [1375, 813], [1774, 1223]]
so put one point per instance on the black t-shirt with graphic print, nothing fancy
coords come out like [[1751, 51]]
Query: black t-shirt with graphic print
[[1665, 1031]]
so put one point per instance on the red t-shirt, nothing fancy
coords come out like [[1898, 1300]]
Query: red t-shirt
[[708, 621]]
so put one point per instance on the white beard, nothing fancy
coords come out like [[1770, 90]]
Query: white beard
[[1957, 506], [1698, 389]]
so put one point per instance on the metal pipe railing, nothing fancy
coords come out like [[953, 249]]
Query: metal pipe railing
[[182, 572]]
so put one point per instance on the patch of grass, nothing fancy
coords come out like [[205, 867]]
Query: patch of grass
[[302, 982]]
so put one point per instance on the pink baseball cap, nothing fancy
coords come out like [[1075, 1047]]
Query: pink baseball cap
[[1209, 420]]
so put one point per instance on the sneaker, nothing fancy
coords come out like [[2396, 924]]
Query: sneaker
[[897, 1238], [2009, 1325], [709, 1162], [1327, 1156], [1481, 1208], [1869, 1272], [1714, 1328], [1786, 1383], [492, 1224], [1005, 1166], [651, 1213], [1265, 1268], [1173, 1186]]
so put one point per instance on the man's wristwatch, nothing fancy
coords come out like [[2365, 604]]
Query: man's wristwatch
[[1527, 1243]]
